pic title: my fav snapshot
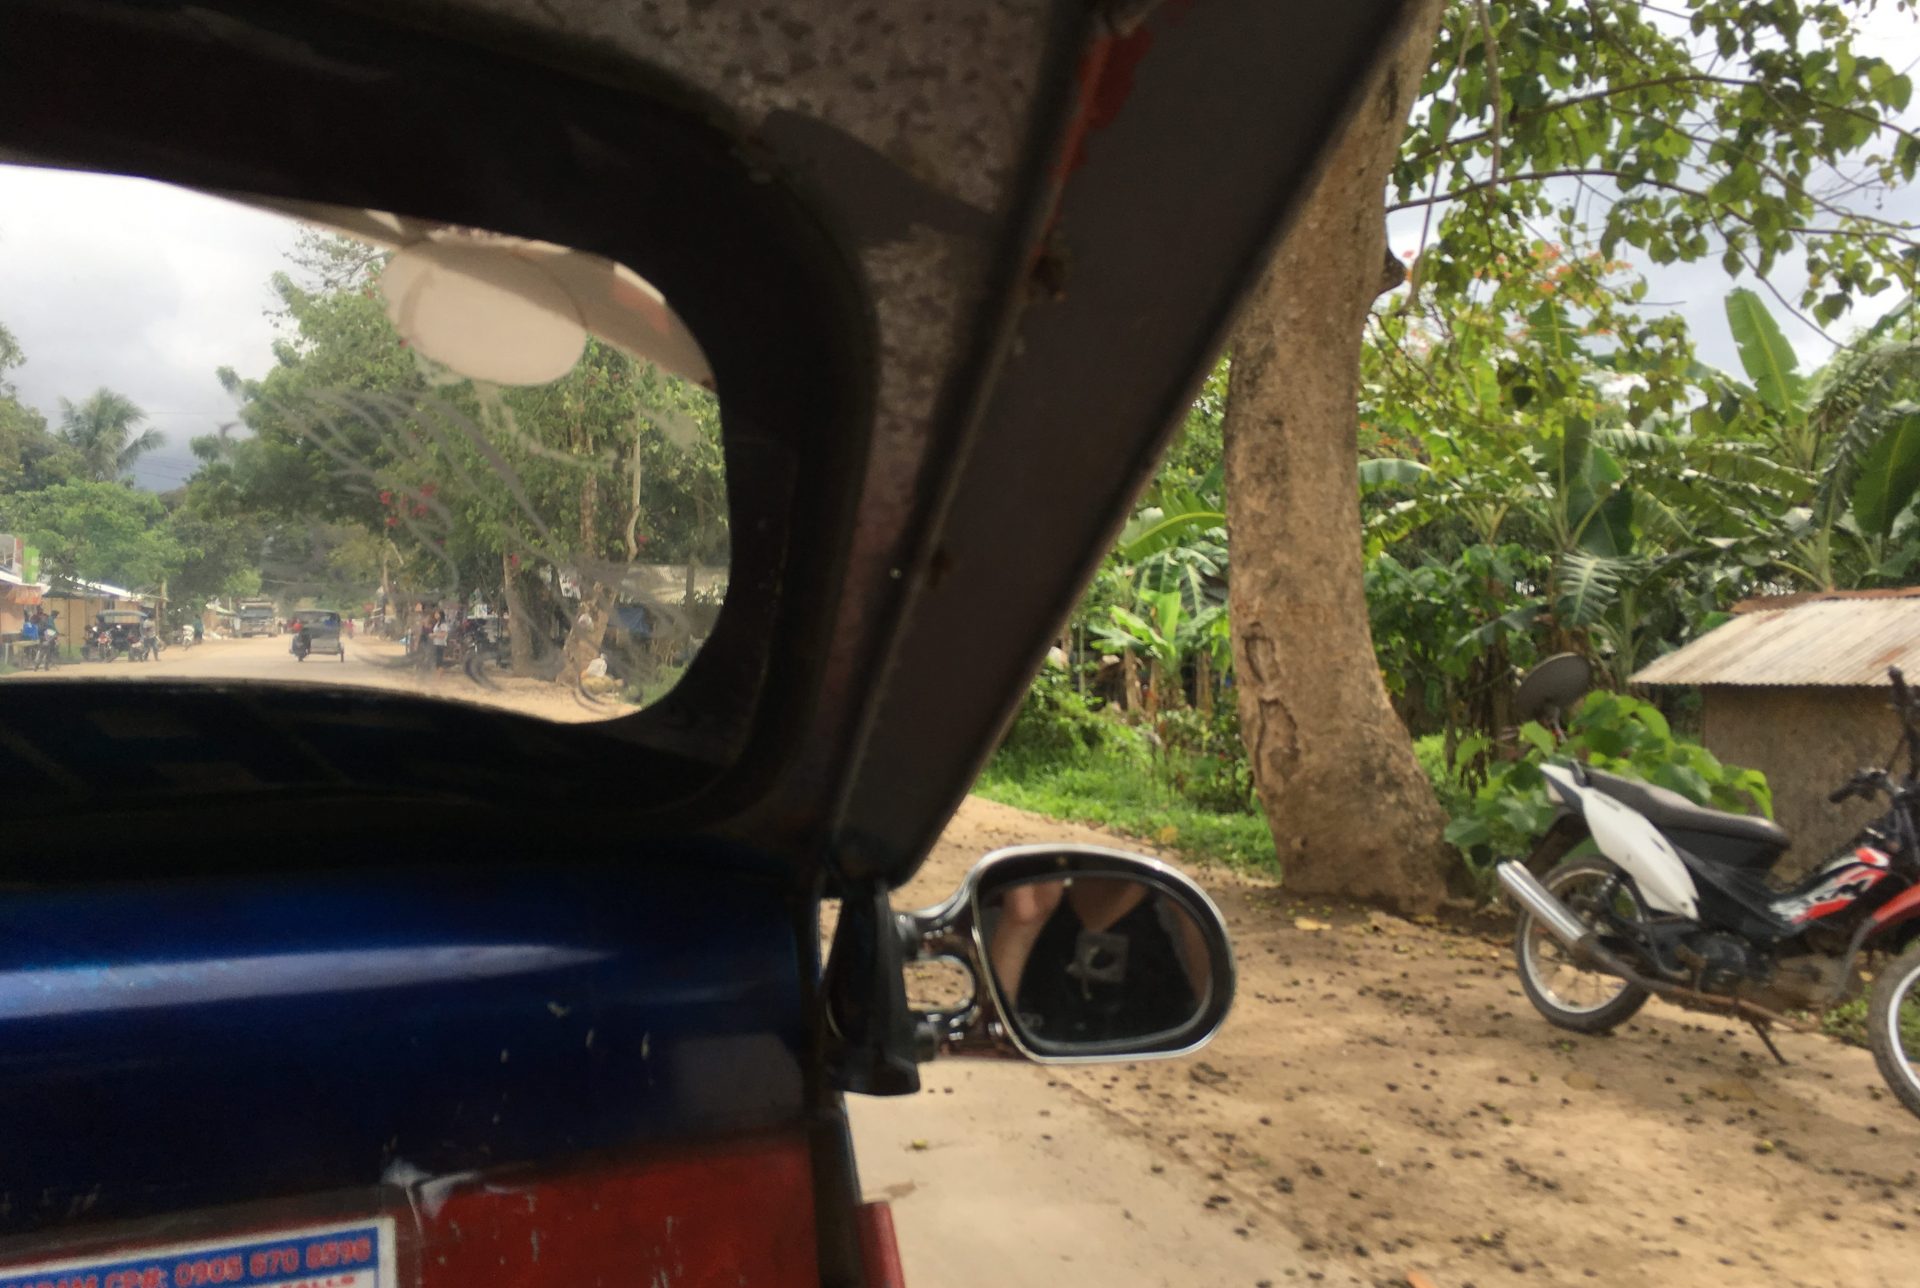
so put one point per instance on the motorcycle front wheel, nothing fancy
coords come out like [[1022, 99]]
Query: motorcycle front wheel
[[1893, 1025], [1566, 993]]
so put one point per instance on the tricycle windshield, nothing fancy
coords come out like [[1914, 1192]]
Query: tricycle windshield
[[492, 464]]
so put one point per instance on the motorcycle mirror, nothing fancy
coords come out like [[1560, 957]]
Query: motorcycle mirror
[[1550, 691], [1075, 953]]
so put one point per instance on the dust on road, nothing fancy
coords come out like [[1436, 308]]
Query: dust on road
[[1384, 1102]]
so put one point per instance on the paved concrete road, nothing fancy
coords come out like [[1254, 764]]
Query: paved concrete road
[[997, 1177]]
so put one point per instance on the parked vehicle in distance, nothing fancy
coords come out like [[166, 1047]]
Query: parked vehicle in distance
[[256, 617], [119, 633]]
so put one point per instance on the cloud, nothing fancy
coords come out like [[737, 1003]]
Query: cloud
[[138, 286]]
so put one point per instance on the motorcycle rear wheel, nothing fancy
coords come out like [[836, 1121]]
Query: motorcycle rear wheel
[[1567, 994], [1893, 1025]]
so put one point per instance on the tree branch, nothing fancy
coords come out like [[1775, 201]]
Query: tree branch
[[1791, 184], [1494, 97], [1657, 82], [1433, 189], [1773, 290], [1602, 172]]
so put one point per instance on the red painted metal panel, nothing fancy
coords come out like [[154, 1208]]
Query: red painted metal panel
[[879, 1249], [1901, 907], [730, 1214], [737, 1213]]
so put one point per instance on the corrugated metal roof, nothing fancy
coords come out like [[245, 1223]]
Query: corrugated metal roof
[[1841, 642]]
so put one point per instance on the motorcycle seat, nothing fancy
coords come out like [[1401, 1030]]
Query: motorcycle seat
[[1669, 809]]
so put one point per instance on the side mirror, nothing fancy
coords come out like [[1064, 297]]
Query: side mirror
[[1076, 953]]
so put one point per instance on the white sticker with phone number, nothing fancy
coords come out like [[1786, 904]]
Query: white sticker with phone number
[[356, 1254]]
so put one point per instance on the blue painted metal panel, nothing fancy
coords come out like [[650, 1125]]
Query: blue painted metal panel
[[179, 1045]]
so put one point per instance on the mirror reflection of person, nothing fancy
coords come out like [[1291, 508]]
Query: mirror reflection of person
[[1092, 959]]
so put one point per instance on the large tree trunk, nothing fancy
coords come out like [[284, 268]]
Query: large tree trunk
[[1351, 811], [519, 622], [589, 631]]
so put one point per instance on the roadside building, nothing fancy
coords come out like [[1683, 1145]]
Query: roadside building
[[1796, 686]]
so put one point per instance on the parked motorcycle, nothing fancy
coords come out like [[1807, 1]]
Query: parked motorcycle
[[1655, 896], [93, 647]]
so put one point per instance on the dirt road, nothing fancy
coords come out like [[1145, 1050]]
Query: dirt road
[[368, 663], [1384, 1102]]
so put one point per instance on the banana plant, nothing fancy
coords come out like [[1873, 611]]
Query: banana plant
[[1167, 634], [1853, 428], [1175, 515]]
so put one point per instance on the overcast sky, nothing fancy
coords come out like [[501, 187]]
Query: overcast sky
[[148, 289], [140, 287]]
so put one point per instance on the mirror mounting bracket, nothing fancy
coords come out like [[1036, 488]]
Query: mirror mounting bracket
[[870, 1035], [945, 933]]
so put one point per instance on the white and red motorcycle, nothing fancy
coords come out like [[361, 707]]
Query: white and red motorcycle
[[1675, 900]]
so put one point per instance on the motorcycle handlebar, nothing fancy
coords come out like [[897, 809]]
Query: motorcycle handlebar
[[1863, 784]]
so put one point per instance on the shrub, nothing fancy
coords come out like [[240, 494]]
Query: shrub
[[1448, 777], [1610, 731], [1203, 760], [1056, 724]]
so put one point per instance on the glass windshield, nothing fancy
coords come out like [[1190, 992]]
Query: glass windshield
[[263, 441]]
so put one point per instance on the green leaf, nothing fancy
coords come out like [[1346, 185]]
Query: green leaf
[[1467, 831], [1153, 531], [1382, 472], [1764, 352], [1685, 780], [1586, 586], [1649, 715], [1888, 478], [1537, 736], [1553, 332], [1469, 748]]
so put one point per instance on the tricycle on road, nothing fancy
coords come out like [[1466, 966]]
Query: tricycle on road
[[316, 630]]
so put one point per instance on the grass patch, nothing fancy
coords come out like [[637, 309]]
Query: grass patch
[[656, 686], [1118, 791], [1847, 1021]]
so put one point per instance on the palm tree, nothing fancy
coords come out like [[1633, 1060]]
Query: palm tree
[[105, 431]]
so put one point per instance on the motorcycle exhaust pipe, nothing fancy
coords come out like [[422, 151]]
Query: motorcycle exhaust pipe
[[1575, 935], [1559, 921]]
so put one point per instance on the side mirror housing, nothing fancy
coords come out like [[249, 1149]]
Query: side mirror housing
[[1077, 953]]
